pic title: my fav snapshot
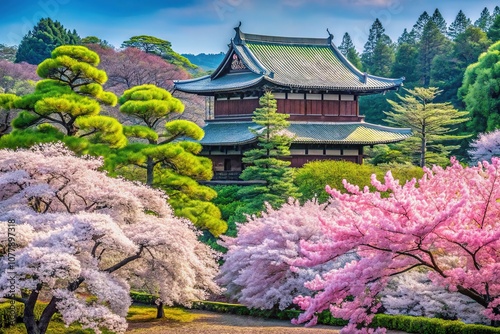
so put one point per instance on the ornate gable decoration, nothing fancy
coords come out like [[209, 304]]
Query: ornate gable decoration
[[237, 64]]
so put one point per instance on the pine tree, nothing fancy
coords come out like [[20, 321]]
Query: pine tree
[[160, 47], [164, 159], [448, 69], [349, 51], [494, 31], [67, 104], [484, 20], [418, 27], [459, 25], [266, 161], [432, 44], [38, 43], [378, 53], [440, 22], [383, 57], [496, 12], [406, 53], [430, 122]]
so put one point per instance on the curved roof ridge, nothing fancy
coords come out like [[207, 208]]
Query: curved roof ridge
[[283, 40]]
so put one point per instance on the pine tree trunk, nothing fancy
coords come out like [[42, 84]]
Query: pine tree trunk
[[149, 171], [423, 147], [160, 312]]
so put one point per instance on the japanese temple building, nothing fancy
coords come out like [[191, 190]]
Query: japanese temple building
[[312, 82]]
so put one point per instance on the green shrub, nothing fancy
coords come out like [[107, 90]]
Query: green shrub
[[143, 298], [312, 178], [5, 313]]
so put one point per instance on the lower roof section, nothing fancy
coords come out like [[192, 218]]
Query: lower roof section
[[352, 133]]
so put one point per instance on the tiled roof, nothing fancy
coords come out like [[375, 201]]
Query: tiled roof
[[307, 63], [233, 133], [232, 81]]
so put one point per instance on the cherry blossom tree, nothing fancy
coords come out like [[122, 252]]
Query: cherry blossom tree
[[257, 270], [68, 231], [486, 146], [447, 222], [134, 67], [412, 293]]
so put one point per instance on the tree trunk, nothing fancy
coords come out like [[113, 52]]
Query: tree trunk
[[149, 171], [40, 327], [423, 147], [160, 312]]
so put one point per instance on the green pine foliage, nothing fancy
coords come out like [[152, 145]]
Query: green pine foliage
[[430, 122], [69, 99], [448, 69], [378, 54], [39, 42], [494, 31], [459, 25], [160, 47], [349, 51], [163, 153], [266, 162]]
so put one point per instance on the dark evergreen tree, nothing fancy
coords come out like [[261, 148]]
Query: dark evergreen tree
[[440, 22], [496, 12], [494, 31], [38, 43], [432, 44], [383, 57], [418, 27], [349, 51], [378, 53], [406, 53], [484, 20], [266, 161], [458, 26], [448, 69]]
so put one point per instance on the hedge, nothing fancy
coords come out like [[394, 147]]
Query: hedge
[[404, 323], [143, 298], [5, 313]]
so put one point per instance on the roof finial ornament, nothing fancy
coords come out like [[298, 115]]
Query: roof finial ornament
[[237, 37], [330, 36]]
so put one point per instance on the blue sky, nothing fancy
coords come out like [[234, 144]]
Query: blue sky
[[195, 26]]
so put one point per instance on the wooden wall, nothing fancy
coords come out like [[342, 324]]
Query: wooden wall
[[300, 107]]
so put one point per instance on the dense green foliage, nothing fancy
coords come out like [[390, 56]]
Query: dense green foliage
[[162, 156], [69, 99], [349, 51], [430, 122], [160, 47], [46, 35], [312, 178], [378, 53], [266, 161], [481, 91]]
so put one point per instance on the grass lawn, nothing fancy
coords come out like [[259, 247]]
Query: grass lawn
[[136, 314]]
